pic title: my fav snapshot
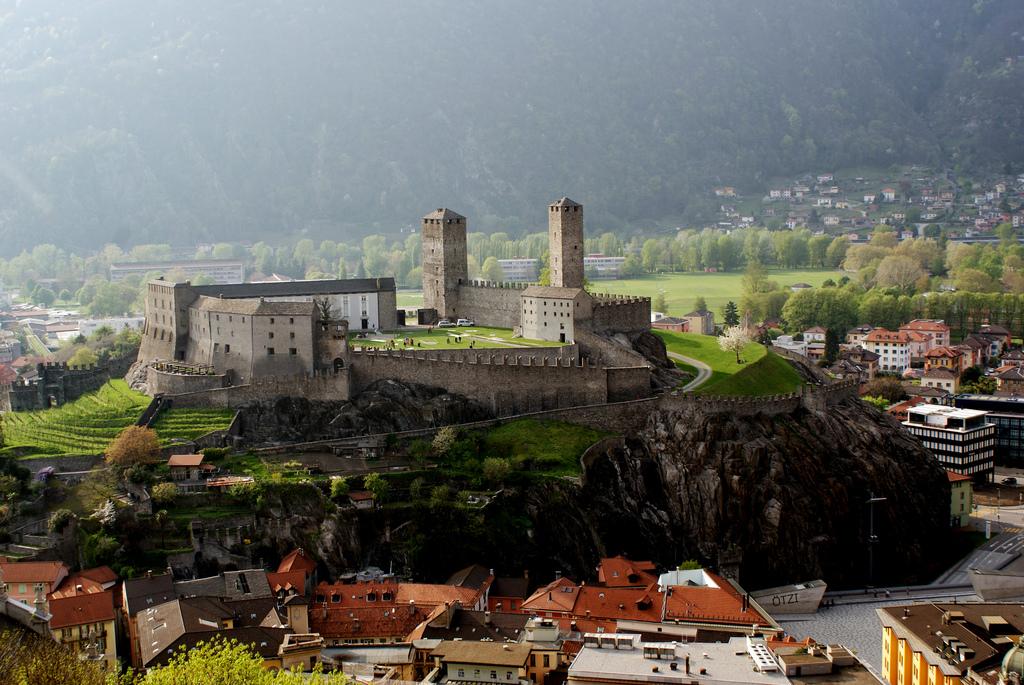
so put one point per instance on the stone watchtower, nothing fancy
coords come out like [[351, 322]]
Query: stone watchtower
[[565, 243], [444, 261]]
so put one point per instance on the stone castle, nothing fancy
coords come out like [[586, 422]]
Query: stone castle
[[225, 345], [557, 312]]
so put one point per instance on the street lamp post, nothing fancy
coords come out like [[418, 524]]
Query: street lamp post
[[872, 538]]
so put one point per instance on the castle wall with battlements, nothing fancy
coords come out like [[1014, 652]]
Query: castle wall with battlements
[[198, 391], [490, 304], [506, 383], [620, 314]]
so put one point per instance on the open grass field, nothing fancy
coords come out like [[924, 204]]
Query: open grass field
[[761, 373], [452, 339], [87, 425], [681, 289]]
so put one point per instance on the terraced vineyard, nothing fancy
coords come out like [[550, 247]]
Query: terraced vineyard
[[189, 424], [87, 425]]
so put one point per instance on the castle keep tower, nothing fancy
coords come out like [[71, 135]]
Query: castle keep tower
[[565, 242], [444, 260]]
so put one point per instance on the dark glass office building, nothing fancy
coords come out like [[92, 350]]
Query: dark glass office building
[[1008, 415]]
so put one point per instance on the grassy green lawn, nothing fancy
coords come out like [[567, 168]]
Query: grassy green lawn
[[682, 289], [761, 373], [549, 446], [87, 425], [452, 339]]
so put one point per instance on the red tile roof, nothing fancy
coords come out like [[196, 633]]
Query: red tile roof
[[90, 580], [925, 325], [558, 595], [364, 622], [32, 571], [883, 335], [287, 580], [956, 477], [619, 604], [622, 572], [86, 608], [943, 351], [388, 594], [711, 605], [297, 560], [185, 460]]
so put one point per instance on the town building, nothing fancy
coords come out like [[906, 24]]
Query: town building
[[961, 499], [936, 328], [1007, 413], [936, 643], [518, 269], [892, 348], [941, 378], [621, 659], [815, 334], [945, 357], [86, 624], [222, 271], [700, 321], [1010, 380], [602, 266], [463, 661], [671, 323], [25, 580], [962, 440]]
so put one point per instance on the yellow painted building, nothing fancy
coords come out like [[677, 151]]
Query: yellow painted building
[[946, 644], [86, 624]]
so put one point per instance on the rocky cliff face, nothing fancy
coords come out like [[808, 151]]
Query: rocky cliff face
[[384, 407], [780, 498]]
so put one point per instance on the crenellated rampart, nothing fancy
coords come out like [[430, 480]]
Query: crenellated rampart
[[493, 304], [620, 313], [504, 381], [322, 386]]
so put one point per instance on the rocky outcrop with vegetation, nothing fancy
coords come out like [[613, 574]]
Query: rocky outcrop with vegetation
[[384, 407]]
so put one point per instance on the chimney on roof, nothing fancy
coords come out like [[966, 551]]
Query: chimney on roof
[[487, 618], [906, 612], [78, 588], [686, 664], [549, 596]]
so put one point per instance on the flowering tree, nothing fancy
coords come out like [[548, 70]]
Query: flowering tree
[[734, 339]]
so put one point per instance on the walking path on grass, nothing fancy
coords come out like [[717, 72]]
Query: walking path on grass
[[703, 370]]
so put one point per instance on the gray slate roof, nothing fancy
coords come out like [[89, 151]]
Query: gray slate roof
[[444, 214], [297, 288]]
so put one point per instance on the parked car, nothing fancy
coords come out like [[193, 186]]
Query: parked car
[[1010, 481], [445, 323], [464, 322]]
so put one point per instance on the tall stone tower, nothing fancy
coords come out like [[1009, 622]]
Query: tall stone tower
[[444, 260], [565, 243]]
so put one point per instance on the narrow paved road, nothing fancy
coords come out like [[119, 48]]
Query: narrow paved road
[[703, 370]]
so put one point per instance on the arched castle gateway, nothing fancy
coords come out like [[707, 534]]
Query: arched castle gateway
[[227, 345], [556, 312]]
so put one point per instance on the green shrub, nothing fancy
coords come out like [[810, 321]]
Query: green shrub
[[59, 520]]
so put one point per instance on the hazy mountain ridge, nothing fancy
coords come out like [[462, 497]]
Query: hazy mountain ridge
[[184, 121]]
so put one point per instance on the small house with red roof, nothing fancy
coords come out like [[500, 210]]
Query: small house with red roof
[[185, 467], [936, 328]]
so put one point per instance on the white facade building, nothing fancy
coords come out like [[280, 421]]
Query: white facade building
[[963, 440]]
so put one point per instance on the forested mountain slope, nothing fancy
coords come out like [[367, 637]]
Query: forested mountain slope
[[179, 120]]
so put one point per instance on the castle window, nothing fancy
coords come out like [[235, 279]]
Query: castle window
[[270, 351], [227, 348], [230, 319], [291, 319], [292, 335], [292, 351], [218, 317], [271, 320], [271, 335]]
